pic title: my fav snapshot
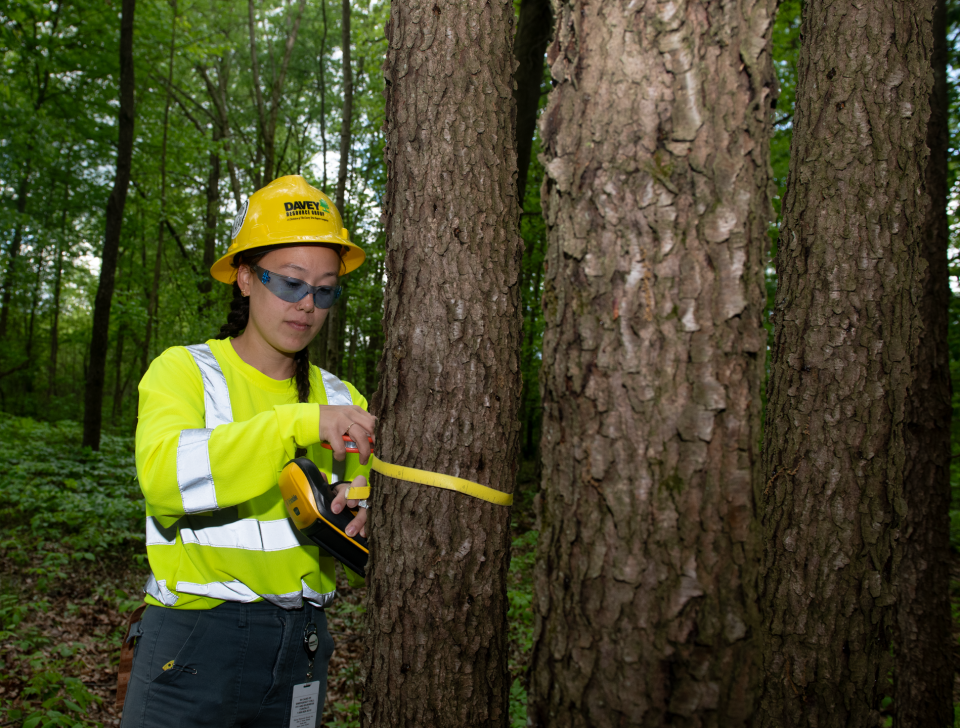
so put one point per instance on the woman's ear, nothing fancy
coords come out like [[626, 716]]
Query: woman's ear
[[244, 278]]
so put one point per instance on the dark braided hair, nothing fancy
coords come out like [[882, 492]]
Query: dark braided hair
[[237, 321]]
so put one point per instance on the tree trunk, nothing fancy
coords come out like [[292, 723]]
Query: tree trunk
[[153, 301], [923, 657], [213, 208], [351, 367], [450, 385], [58, 278], [531, 395], [847, 334], [93, 392], [333, 325], [34, 300], [14, 252], [332, 336], [322, 86], [534, 30], [656, 201], [118, 376], [347, 120]]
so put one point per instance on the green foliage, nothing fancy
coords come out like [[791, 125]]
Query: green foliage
[[66, 513]]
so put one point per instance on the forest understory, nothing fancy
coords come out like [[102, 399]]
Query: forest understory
[[72, 565]]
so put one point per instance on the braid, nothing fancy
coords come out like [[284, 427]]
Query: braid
[[238, 316], [302, 360]]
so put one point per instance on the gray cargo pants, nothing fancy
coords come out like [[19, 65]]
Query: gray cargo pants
[[233, 666]]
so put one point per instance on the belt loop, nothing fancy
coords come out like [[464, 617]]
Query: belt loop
[[242, 619]]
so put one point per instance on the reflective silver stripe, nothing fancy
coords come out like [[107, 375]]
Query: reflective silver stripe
[[248, 533], [228, 591], [293, 600], [194, 475], [337, 392], [237, 591], [193, 471], [158, 590], [157, 535], [316, 598], [216, 396]]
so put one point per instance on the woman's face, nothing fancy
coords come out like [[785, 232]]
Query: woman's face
[[288, 327]]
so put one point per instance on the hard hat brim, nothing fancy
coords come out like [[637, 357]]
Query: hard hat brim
[[352, 256]]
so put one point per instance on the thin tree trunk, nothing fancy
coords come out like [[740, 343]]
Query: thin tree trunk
[[332, 338], [322, 82], [847, 335], [448, 397], [14, 252], [55, 328], [534, 29], [93, 392], [153, 301], [347, 120], [333, 326], [656, 201], [351, 367], [213, 210], [530, 397], [923, 657], [34, 300], [118, 376]]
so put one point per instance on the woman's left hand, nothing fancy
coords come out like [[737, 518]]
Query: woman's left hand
[[359, 523]]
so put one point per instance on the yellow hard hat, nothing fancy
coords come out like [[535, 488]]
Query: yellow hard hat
[[287, 211]]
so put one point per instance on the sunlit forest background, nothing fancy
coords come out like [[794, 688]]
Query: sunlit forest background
[[222, 107]]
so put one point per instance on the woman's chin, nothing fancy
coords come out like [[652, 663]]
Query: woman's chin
[[291, 340]]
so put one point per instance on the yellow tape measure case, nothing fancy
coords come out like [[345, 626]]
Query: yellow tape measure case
[[308, 497]]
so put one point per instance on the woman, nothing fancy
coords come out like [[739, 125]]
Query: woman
[[236, 595]]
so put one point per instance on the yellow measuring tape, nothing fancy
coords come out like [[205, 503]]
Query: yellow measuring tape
[[437, 480]]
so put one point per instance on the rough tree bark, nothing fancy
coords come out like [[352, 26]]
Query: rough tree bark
[[450, 384], [847, 326], [93, 392], [923, 672], [534, 30], [656, 200]]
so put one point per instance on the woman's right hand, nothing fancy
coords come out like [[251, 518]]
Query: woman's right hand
[[337, 420]]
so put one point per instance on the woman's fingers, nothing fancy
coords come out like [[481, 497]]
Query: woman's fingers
[[358, 524], [351, 420]]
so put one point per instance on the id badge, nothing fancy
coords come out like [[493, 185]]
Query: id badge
[[303, 709]]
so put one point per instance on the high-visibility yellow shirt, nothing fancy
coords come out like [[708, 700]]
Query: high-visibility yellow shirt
[[213, 435]]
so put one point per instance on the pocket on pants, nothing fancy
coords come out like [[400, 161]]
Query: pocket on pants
[[176, 643]]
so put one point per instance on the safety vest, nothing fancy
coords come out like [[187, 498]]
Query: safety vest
[[200, 552]]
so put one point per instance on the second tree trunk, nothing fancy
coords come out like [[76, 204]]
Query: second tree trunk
[[656, 147]]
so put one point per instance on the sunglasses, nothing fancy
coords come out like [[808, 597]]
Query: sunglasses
[[292, 290]]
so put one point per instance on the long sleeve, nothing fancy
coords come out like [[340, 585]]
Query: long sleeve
[[184, 467]]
